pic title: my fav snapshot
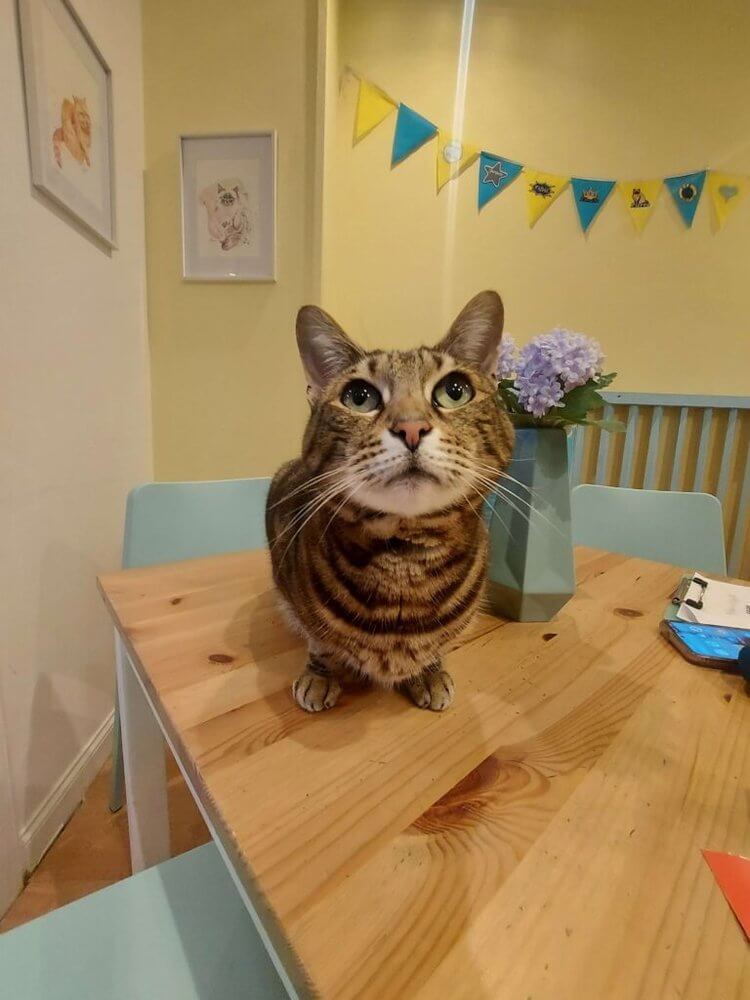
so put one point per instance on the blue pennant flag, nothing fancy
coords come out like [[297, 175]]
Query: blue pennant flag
[[495, 174], [686, 191], [412, 131], [589, 197]]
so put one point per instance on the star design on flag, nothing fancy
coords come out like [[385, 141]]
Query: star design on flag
[[494, 173]]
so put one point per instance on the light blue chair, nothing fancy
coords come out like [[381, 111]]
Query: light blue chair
[[177, 930], [169, 522], [684, 529]]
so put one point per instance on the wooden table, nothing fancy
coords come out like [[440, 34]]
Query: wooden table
[[541, 839]]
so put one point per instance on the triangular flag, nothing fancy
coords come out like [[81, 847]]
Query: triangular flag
[[727, 191], [541, 190], [495, 174], [640, 198], [732, 872], [453, 157], [686, 191], [373, 107], [412, 131], [589, 197]]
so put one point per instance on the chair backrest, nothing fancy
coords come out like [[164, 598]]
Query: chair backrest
[[684, 529], [168, 522], [692, 443]]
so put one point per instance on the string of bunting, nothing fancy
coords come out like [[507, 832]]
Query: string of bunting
[[496, 173]]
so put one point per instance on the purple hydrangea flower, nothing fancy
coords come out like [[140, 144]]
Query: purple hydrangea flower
[[507, 359], [551, 365]]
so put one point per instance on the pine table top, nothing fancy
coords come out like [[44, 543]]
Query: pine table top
[[540, 839]]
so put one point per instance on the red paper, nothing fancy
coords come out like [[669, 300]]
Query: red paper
[[732, 872]]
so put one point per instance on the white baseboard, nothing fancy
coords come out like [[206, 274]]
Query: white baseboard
[[59, 805]]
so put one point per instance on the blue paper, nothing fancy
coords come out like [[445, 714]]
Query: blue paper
[[495, 174], [412, 131], [686, 191], [589, 197]]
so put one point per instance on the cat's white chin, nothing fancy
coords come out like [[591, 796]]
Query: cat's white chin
[[409, 497]]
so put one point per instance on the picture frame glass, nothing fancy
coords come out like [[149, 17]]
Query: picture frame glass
[[228, 207], [69, 113]]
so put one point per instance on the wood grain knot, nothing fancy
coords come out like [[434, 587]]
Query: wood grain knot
[[176, 600], [477, 791], [221, 658], [628, 613]]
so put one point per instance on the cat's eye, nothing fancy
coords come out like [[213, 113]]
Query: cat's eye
[[452, 391], [361, 397]]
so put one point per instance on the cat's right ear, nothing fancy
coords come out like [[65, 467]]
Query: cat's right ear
[[325, 349]]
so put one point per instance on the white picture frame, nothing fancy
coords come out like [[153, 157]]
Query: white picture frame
[[69, 116], [228, 206]]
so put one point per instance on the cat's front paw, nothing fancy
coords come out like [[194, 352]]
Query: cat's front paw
[[316, 692], [432, 690]]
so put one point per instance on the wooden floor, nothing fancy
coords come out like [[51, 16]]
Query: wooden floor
[[92, 851]]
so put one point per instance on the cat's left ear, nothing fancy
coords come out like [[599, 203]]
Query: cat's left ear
[[325, 349], [474, 337]]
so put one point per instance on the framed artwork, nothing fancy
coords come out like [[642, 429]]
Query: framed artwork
[[69, 114], [228, 207]]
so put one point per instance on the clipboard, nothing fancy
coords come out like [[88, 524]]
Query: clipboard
[[702, 600]]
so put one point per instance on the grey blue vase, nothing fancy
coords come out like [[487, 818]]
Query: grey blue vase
[[531, 573]]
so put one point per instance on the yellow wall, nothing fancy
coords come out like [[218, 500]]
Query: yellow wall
[[622, 88], [228, 398], [614, 89]]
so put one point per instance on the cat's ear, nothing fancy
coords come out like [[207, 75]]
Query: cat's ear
[[325, 349], [474, 337]]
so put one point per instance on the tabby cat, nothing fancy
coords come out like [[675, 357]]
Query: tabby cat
[[378, 546]]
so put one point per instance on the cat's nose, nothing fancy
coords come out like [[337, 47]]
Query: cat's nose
[[411, 432]]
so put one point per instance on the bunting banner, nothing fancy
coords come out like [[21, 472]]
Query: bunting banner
[[640, 198], [726, 191], [542, 189], [686, 189], [412, 131], [495, 174], [453, 157], [373, 107], [589, 197]]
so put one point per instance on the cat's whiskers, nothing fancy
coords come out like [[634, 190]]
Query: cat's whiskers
[[500, 473], [343, 503], [299, 514], [505, 494], [327, 496], [309, 483]]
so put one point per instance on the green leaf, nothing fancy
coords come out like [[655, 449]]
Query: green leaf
[[580, 400], [613, 426], [508, 397]]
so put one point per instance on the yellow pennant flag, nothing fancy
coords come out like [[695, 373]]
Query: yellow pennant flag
[[727, 191], [541, 190], [373, 107], [453, 157], [640, 198]]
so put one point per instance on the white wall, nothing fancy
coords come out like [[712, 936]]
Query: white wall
[[74, 432]]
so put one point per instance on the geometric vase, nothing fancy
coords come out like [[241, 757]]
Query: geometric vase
[[531, 574]]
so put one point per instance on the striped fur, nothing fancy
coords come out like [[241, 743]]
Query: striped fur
[[379, 553]]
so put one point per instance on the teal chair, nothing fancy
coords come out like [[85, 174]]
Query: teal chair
[[177, 930], [684, 529], [168, 522]]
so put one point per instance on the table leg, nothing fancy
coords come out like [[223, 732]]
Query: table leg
[[145, 770]]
